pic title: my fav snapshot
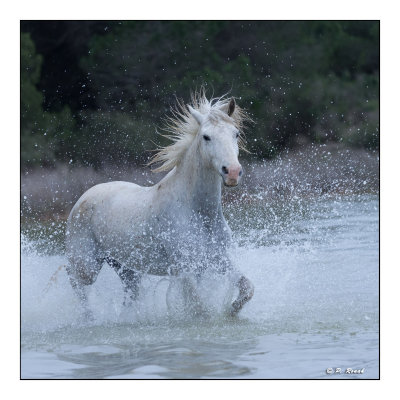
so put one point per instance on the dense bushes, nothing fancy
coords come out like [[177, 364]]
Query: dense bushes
[[300, 81], [43, 134]]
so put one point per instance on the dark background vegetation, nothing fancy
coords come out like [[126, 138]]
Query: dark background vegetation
[[94, 92]]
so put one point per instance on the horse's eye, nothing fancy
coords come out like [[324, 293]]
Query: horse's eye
[[206, 137], [237, 135]]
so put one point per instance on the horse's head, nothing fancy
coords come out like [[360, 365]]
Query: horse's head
[[218, 143]]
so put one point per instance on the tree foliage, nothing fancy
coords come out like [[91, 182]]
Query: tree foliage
[[105, 86]]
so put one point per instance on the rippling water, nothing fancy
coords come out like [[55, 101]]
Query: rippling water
[[315, 266]]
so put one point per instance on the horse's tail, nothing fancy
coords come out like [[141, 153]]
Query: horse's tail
[[53, 279]]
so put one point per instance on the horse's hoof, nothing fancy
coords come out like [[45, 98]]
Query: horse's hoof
[[235, 308], [200, 313], [231, 313]]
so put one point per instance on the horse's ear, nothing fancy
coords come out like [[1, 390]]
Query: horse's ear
[[231, 106], [197, 115]]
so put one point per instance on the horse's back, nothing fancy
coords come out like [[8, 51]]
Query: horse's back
[[106, 202], [110, 189]]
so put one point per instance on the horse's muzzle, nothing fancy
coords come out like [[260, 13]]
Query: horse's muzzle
[[230, 182], [231, 175]]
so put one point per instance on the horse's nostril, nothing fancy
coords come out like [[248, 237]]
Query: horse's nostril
[[224, 170], [241, 172]]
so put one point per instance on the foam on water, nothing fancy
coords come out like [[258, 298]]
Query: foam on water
[[315, 303]]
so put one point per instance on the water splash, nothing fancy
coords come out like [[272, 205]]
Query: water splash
[[315, 270]]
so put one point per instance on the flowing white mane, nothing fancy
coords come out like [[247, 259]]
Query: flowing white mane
[[182, 127]]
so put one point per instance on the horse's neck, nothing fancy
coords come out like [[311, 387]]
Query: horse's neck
[[199, 186]]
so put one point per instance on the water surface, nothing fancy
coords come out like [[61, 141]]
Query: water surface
[[314, 264]]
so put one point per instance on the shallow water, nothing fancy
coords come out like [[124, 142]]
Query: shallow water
[[315, 267]]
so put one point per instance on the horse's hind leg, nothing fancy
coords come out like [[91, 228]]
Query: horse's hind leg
[[80, 282], [83, 267], [129, 278], [81, 291], [246, 291]]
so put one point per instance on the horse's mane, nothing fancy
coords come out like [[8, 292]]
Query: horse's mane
[[182, 127]]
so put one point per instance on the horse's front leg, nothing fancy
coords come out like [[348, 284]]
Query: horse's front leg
[[246, 288], [246, 291], [193, 301]]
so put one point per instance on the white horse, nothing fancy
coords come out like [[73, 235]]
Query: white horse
[[175, 227]]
